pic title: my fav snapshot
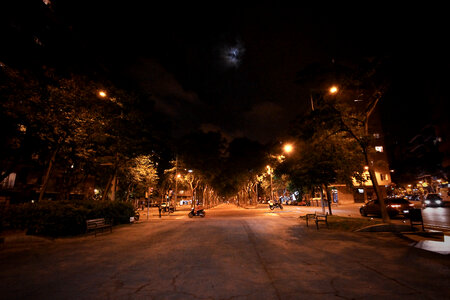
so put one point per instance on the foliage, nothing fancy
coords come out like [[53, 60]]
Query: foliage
[[62, 120], [140, 174], [245, 159], [337, 114], [63, 218]]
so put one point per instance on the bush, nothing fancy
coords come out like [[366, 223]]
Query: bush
[[63, 218]]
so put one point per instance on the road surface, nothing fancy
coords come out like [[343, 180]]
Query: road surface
[[232, 253]]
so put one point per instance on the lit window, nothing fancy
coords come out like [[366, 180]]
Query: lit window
[[361, 191], [379, 148]]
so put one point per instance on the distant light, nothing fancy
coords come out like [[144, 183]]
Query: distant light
[[366, 168], [190, 171], [288, 148], [102, 94], [333, 90]]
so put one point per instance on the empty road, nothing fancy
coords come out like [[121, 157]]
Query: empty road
[[232, 253]]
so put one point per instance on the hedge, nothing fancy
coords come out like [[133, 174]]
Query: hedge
[[62, 218]]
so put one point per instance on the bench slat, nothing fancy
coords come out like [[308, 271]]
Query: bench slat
[[317, 218], [97, 224]]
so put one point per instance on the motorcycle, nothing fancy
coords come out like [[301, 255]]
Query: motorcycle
[[136, 215], [272, 206], [200, 212]]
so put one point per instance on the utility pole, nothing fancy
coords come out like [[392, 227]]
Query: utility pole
[[176, 179]]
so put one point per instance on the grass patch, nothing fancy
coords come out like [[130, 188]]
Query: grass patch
[[350, 224]]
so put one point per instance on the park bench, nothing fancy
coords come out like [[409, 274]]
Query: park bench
[[97, 225], [318, 218]]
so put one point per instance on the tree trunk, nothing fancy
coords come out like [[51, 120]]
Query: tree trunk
[[110, 181], [48, 173], [321, 200], [376, 188], [128, 193], [328, 200]]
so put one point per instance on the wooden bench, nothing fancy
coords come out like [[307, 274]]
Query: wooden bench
[[97, 225], [317, 219]]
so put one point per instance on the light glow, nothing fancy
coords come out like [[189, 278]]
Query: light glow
[[288, 148], [333, 89]]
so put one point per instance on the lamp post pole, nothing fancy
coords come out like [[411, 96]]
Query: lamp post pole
[[269, 170], [176, 180]]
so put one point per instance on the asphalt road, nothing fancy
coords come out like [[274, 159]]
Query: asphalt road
[[232, 253]]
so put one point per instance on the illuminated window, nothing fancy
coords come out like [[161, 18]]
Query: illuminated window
[[379, 148], [361, 191]]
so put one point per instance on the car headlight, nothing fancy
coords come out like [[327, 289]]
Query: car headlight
[[427, 201], [438, 201]]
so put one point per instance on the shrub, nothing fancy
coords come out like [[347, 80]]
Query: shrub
[[63, 218]]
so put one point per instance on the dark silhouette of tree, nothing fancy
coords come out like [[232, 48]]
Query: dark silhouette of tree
[[338, 114]]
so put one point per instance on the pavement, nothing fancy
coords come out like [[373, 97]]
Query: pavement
[[232, 253], [429, 239]]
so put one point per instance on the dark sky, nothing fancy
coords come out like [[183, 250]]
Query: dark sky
[[180, 54]]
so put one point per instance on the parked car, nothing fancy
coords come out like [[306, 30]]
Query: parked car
[[433, 200], [394, 207]]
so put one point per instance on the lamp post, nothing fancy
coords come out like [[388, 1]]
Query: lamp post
[[176, 187], [332, 91], [288, 148], [269, 170]]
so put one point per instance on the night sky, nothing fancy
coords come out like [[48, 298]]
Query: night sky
[[232, 67]]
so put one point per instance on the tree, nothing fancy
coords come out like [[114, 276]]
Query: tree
[[339, 115], [139, 175], [323, 160]]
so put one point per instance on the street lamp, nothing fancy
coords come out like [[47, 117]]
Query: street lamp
[[288, 148], [332, 90], [102, 94]]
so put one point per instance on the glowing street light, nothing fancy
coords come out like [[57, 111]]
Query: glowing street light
[[333, 89], [288, 148], [102, 94]]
